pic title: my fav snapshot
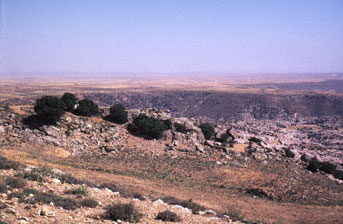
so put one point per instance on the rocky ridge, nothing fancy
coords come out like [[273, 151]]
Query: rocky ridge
[[304, 140]]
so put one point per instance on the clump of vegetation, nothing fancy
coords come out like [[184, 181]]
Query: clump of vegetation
[[123, 212], [327, 167], [168, 216], [32, 175], [148, 127], [38, 174], [88, 202], [6, 164], [138, 196], [3, 187], [49, 109], [289, 153], [195, 207], [15, 182], [208, 130], [45, 198], [180, 128], [314, 165], [123, 191], [223, 138], [77, 191], [258, 193], [69, 101], [69, 179], [87, 108], [255, 140], [118, 114], [168, 124]]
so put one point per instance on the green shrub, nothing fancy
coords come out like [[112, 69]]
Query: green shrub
[[88, 202], [49, 109], [87, 108], [168, 216], [314, 165], [69, 101], [168, 124], [148, 127], [77, 191], [123, 212], [117, 114], [180, 128], [223, 137], [208, 130], [15, 182]]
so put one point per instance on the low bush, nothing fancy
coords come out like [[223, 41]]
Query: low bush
[[69, 101], [69, 179], [314, 165], [77, 191], [254, 139], [168, 216], [45, 198], [180, 128], [168, 124], [110, 186], [223, 137], [123, 212], [171, 200], [148, 127], [6, 164], [123, 191], [87, 108], [208, 130], [3, 187], [258, 193], [195, 207], [117, 114], [328, 167], [138, 196], [15, 182], [184, 203], [88, 202], [32, 175]]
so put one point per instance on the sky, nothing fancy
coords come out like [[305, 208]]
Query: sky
[[171, 36]]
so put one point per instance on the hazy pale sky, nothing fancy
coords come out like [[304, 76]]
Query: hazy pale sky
[[170, 36]]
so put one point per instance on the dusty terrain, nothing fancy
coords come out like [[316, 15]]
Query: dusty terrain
[[263, 184]]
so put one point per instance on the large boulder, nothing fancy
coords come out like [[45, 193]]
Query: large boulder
[[188, 124]]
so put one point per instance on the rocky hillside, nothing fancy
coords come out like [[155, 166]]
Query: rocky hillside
[[228, 105], [307, 152]]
